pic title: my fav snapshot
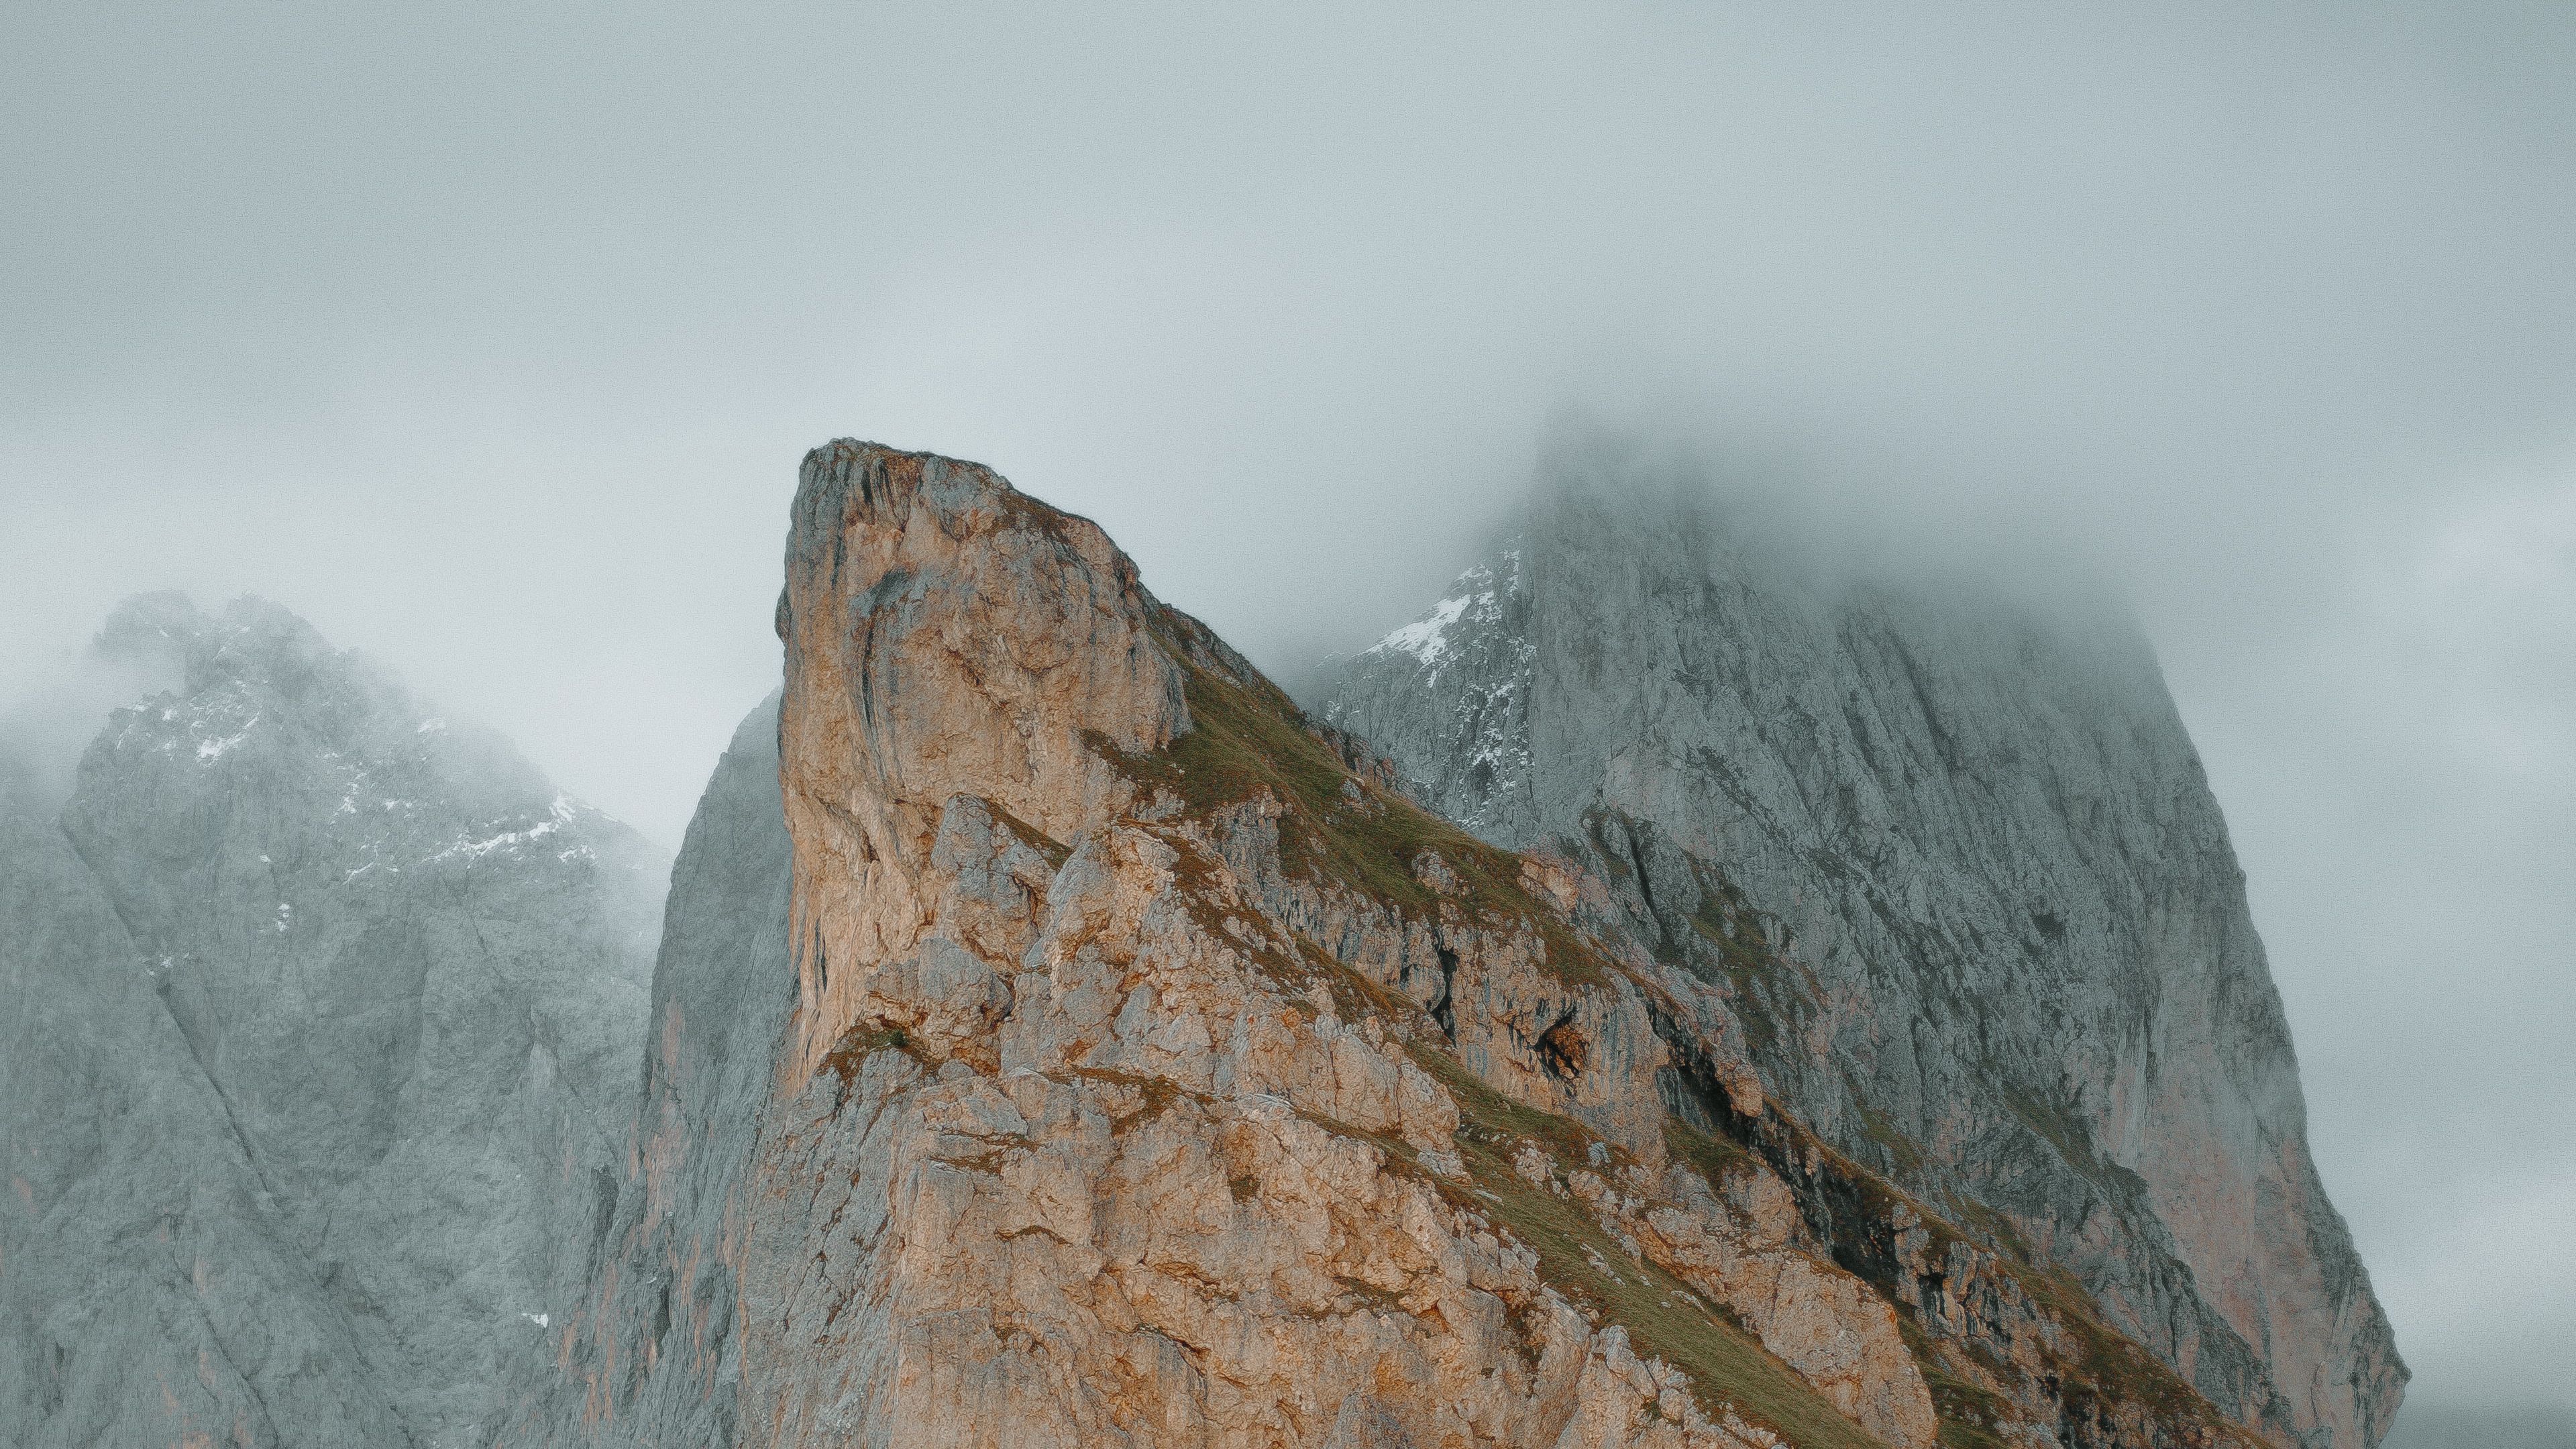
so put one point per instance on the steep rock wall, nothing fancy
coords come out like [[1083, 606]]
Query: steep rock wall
[[1144, 1068], [645, 1347], [1085, 1159], [1960, 877]]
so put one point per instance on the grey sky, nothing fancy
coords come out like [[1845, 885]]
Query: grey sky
[[487, 336]]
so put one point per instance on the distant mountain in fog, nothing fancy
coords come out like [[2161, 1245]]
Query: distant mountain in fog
[[319, 1020]]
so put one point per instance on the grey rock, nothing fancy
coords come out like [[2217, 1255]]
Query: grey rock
[[2023, 972], [321, 1021], [650, 1352], [146, 1292]]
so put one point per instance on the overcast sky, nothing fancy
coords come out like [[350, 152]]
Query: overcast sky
[[488, 338]]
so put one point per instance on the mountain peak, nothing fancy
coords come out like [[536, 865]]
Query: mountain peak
[[251, 639], [320, 1004], [1149, 1066]]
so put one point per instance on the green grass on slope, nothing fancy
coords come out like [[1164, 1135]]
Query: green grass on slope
[[2106, 1367], [1729, 1368], [1966, 1411], [1247, 737]]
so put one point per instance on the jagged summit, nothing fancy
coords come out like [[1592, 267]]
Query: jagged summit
[[1471, 651], [251, 636], [257, 678]]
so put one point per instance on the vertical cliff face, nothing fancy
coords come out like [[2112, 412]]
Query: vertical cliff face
[[1070, 1044], [946, 636], [1085, 1138], [646, 1346], [1957, 873], [320, 1020]]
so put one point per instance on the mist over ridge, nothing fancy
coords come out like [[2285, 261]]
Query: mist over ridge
[[487, 339], [1803, 518]]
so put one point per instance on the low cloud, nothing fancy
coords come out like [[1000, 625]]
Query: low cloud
[[2258, 315], [49, 719]]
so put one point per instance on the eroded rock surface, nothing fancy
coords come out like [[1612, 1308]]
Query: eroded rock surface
[[1087, 1151], [1054, 1039]]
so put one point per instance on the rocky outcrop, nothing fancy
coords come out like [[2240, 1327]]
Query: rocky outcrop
[[1074, 1045], [1079, 1145], [1055, 1038], [1946, 875], [316, 1024]]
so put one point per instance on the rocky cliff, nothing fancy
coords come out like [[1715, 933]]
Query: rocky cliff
[[317, 1026], [1058, 1039], [1956, 874], [1070, 1044]]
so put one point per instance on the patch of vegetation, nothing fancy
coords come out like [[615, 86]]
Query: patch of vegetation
[[1153, 1095], [1625, 861], [1664, 1317], [1883, 1131], [1248, 738], [1740, 936], [2000, 1234], [1967, 1413], [2070, 1136], [1042, 518], [1055, 851], [2113, 1367], [1496, 1119], [1356, 995], [858, 1044], [2107, 1367], [1369, 1293], [1714, 1156], [1612, 858], [1201, 880]]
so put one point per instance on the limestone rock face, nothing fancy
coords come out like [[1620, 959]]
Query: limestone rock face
[[944, 634], [1076, 1146], [1060, 1040], [1947, 878], [317, 1020], [1057, 1039]]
